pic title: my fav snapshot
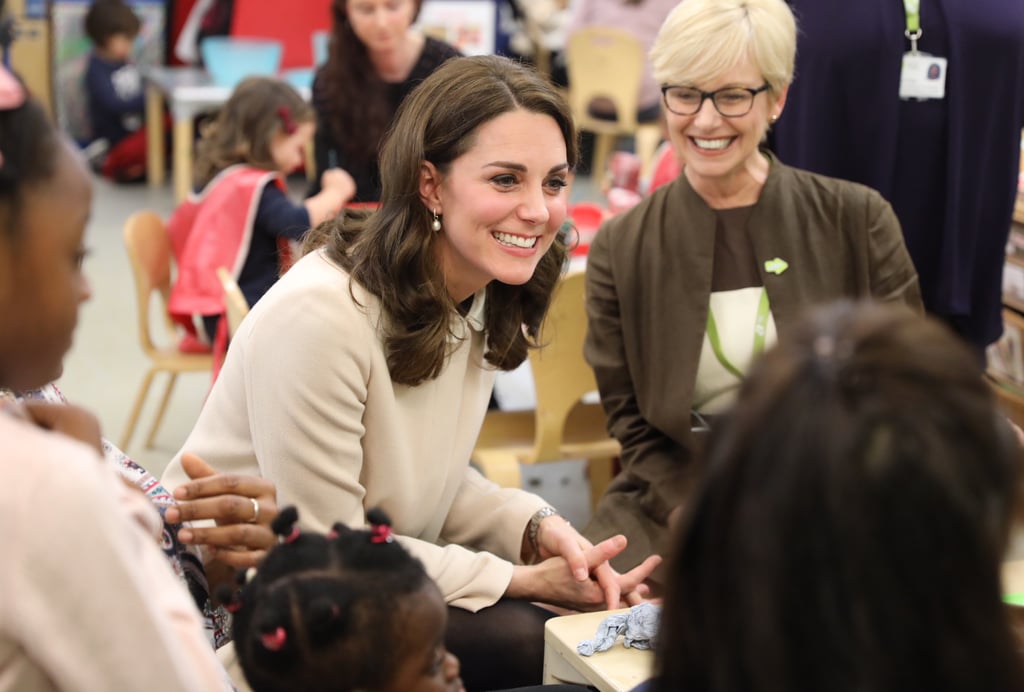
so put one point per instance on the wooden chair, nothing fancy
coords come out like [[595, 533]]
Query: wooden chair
[[235, 305], [562, 426], [608, 62], [149, 251]]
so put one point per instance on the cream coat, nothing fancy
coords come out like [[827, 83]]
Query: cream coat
[[306, 400]]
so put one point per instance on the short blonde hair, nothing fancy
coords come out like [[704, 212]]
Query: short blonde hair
[[701, 40]]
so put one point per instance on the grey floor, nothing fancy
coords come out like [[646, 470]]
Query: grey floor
[[106, 365]]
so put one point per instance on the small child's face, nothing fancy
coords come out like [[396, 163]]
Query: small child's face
[[289, 150], [119, 47], [427, 665]]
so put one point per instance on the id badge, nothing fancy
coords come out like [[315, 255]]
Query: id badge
[[923, 77]]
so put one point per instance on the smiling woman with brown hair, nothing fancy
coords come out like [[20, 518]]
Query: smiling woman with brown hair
[[362, 378]]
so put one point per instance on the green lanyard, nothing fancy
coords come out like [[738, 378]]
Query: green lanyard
[[913, 31], [760, 329]]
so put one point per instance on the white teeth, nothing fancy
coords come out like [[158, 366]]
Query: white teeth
[[515, 240], [713, 143]]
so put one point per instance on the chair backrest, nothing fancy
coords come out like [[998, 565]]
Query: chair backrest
[[608, 62], [149, 252], [560, 374], [235, 305]]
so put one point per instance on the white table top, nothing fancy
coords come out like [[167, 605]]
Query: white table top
[[191, 91]]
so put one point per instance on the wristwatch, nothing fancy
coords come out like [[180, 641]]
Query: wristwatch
[[534, 526]]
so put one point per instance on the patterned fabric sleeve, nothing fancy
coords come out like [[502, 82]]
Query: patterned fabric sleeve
[[185, 560]]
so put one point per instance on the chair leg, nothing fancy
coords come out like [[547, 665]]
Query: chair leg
[[133, 418], [603, 145], [173, 377]]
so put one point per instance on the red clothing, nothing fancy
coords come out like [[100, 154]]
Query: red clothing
[[213, 229], [666, 167]]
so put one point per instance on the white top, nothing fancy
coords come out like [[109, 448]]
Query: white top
[[735, 315], [87, 599]]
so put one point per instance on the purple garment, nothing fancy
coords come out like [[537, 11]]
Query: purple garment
[[948, 167]]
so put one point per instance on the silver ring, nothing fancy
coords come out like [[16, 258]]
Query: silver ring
[[255, 511]]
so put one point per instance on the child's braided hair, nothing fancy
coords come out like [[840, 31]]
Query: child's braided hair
[[317, 615]]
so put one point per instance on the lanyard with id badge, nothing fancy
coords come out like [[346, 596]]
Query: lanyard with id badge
[[923, 76]]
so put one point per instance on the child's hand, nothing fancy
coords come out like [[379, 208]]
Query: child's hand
[[337, 178], [336, 188], [68, 419], [339, 181]]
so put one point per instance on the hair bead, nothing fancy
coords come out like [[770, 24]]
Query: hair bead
[[274, 641]]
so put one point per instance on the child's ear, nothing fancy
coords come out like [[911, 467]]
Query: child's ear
[[430, 183]]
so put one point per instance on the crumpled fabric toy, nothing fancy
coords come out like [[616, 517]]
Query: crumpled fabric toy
[[638, 626]]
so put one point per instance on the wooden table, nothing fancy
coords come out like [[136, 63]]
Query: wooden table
[[189, 92], [616, 670], [620, 669]]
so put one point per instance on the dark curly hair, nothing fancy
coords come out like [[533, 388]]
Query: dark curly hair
[[318, 615], [849, 529], [107, 18], [391, 254]]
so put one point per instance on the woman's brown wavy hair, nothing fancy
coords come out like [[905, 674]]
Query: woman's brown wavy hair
[[356, 97], [391, 253]]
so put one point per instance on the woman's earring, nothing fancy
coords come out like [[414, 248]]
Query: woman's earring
[[435, 225], [774, 118]]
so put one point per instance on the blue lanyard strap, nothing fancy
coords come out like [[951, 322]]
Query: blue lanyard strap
[[760, 330]]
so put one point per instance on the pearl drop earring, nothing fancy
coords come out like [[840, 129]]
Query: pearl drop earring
[[435, 225]]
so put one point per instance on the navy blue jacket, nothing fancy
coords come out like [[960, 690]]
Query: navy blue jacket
[[116, 98], [949, 167]]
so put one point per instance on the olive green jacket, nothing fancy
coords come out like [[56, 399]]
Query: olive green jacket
[[648, 287]]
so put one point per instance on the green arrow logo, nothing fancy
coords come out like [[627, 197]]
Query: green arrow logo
[[776, 266]]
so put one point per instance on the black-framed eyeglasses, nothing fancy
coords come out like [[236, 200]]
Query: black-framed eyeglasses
[[730, 102]]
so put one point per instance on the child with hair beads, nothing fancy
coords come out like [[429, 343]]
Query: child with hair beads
[[81, 559], [346, 611], [241, 217], [352, 610]]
